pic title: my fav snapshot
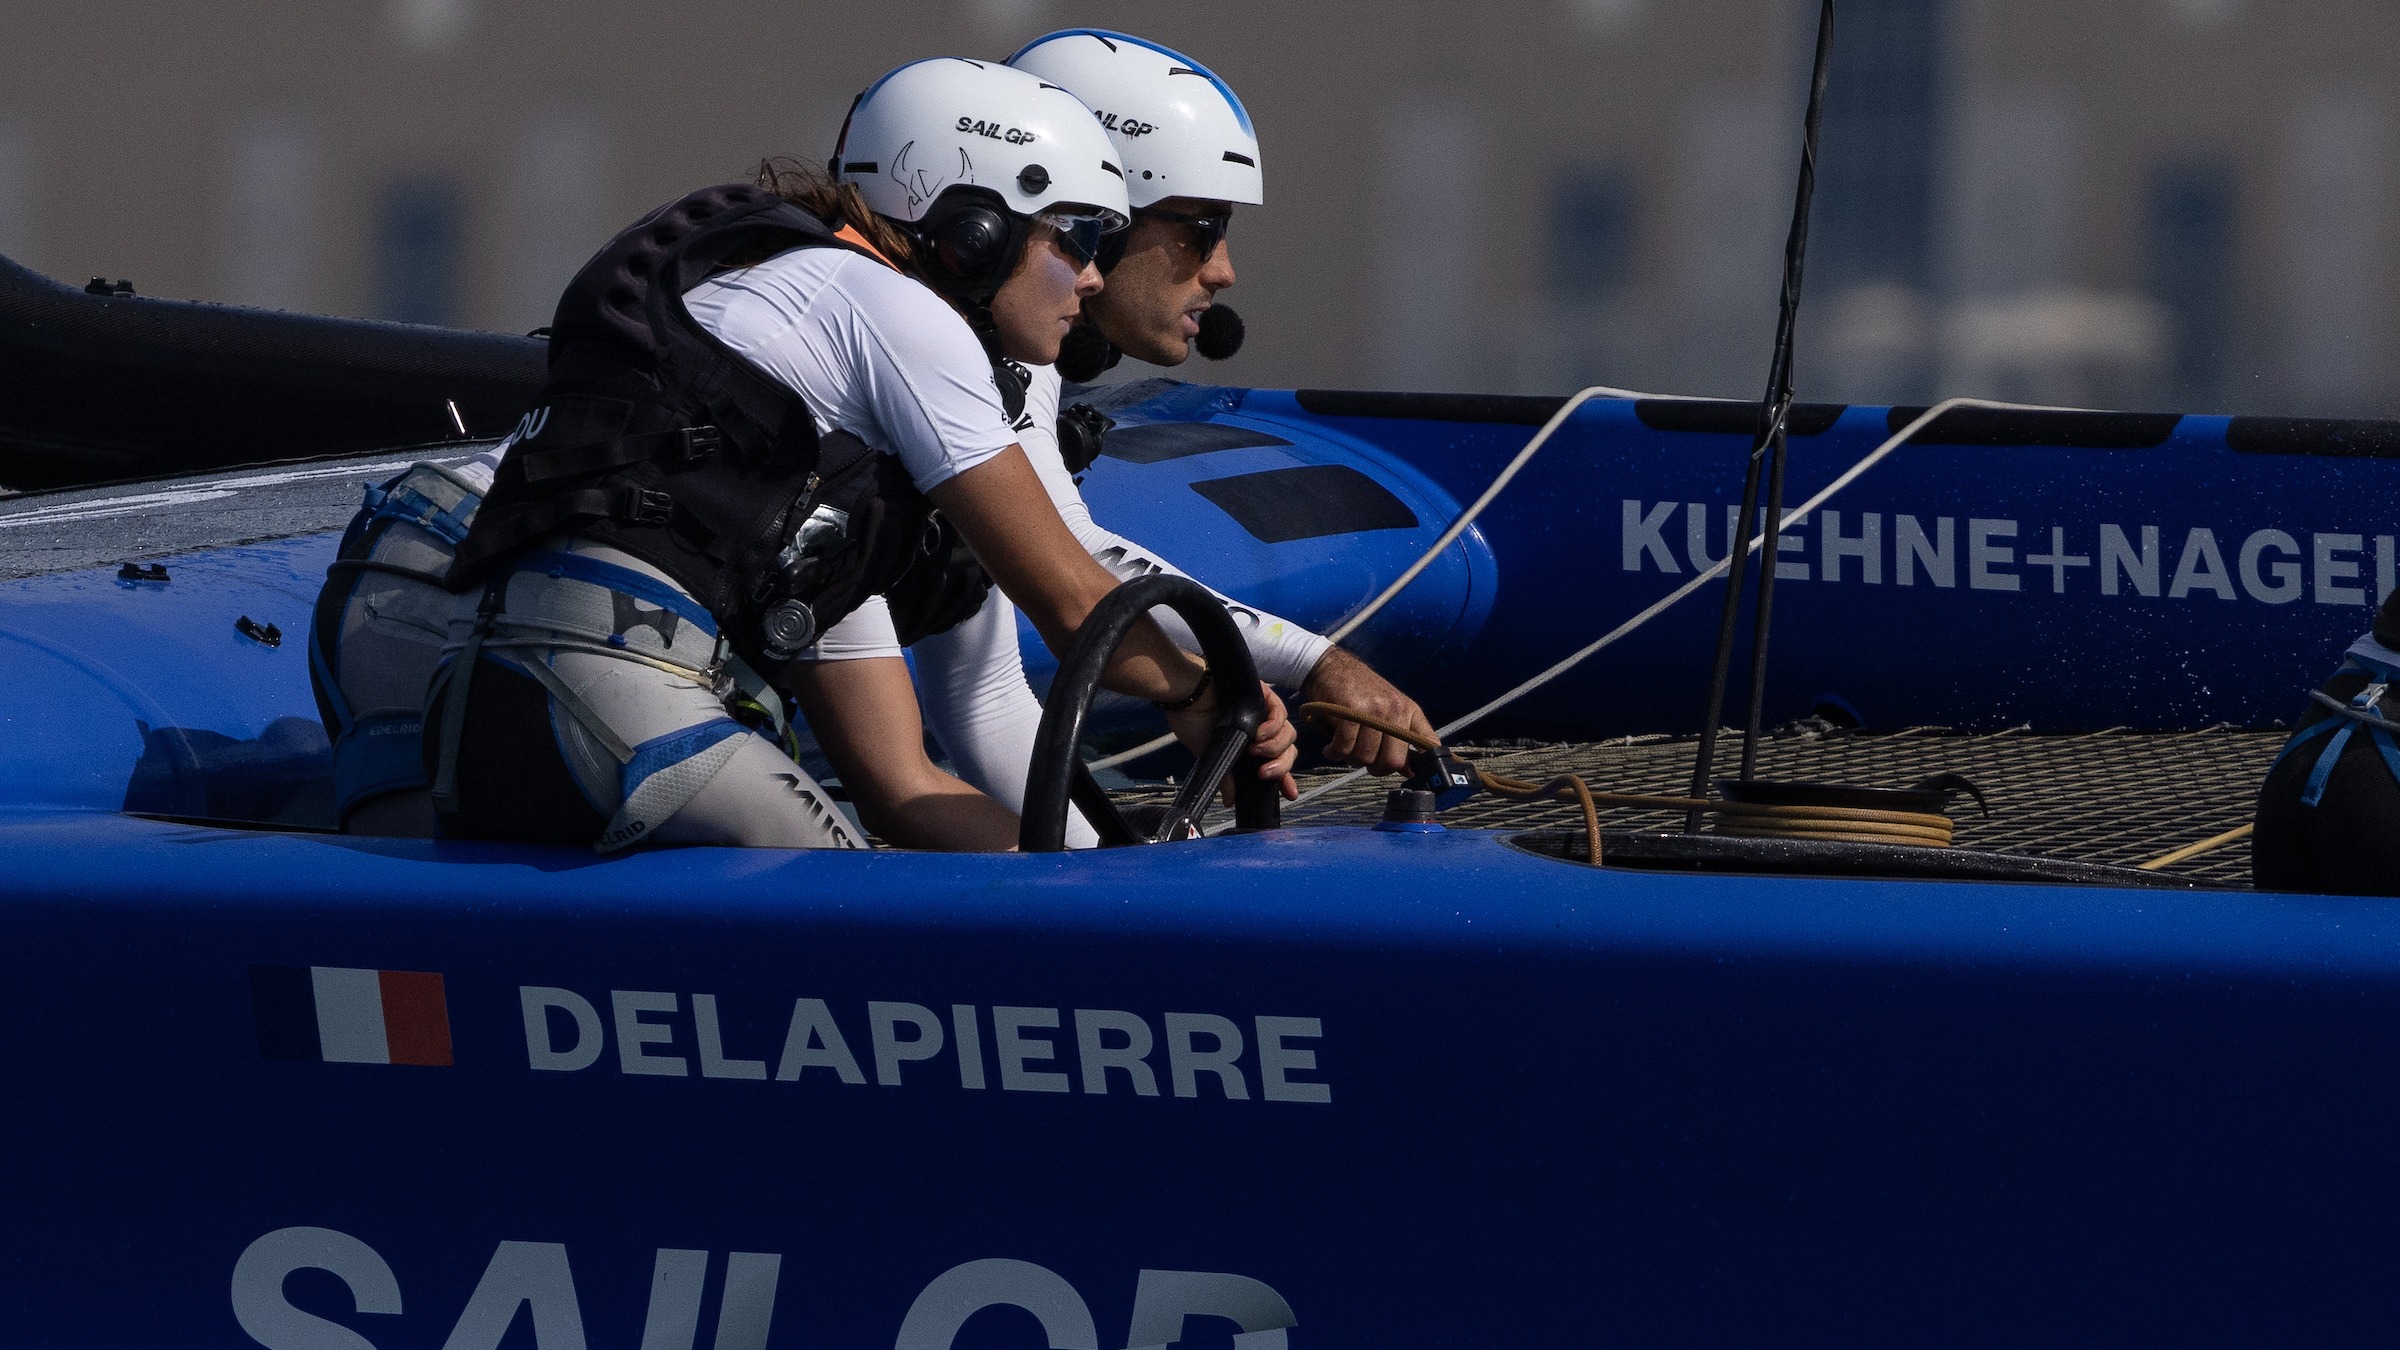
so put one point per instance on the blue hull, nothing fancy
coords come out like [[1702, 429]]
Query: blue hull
[[1482, 1099]]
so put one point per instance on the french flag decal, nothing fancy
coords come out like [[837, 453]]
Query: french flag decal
[[346, 1016]]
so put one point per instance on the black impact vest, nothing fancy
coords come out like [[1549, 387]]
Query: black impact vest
[[652, 436]]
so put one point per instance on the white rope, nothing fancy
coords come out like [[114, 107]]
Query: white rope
[[1467, 517], [1425, 560], [1757, 542], [1126, 756]]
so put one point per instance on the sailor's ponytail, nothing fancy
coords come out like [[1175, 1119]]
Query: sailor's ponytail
[[808, 187]]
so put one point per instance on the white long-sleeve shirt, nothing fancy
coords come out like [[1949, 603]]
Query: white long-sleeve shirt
[[972, 678]]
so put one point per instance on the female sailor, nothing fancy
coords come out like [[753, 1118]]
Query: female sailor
[[752, 415]]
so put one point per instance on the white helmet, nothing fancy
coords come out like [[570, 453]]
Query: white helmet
[[1179, 129], [967, 153]]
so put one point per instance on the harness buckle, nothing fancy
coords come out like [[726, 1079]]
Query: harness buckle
[[644, 506], [701, 443]]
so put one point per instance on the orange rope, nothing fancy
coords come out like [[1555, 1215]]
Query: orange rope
[[1565, 787]]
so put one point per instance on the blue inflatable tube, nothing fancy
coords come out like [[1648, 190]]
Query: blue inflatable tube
[[2067, 571], [2070, 571]]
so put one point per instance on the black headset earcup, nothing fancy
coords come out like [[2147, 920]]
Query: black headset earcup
[[1221, 333], [1083, 355], [969, 243]]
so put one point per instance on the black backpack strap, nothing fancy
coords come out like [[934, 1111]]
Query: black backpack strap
[[683, 447], [451, 685]]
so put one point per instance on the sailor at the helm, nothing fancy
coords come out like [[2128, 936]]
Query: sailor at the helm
[[749, 420], [1190, 155], [2329, 813]]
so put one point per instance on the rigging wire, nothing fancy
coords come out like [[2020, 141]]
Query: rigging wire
[[1715, 570], [1425, 559], [1467, 517], [1769, 454]]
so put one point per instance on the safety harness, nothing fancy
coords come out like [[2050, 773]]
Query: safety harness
[[2381, 666], [379, 750], [551, 602], [653, 436], [376, 750]]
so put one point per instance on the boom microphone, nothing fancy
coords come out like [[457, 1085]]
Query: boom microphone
[[1221, 333], [1084, 355]]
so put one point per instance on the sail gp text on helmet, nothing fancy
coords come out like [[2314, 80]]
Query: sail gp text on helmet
[[995, 131], [535, 1281]]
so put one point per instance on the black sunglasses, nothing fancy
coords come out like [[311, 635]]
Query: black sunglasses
[[1079, 236], [1207, 231]]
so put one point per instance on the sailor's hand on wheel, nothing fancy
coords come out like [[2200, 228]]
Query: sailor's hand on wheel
[[1342, 678], [1275, 741]]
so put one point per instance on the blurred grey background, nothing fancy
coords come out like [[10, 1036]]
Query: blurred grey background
[[2185, 204]]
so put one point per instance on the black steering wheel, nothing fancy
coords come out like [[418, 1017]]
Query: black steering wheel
[[1058, 774]]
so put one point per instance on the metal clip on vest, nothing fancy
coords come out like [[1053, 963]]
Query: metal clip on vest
[[700, 444], [644, 506]]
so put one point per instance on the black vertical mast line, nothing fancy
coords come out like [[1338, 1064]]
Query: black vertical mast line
[[1774, 411], [1769, 553]]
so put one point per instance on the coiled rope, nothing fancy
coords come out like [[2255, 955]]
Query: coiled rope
[[1742, 820]]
